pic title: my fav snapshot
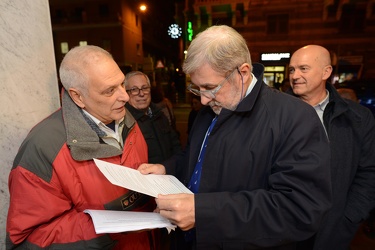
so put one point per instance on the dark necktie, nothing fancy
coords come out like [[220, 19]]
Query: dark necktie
[[196, 177]]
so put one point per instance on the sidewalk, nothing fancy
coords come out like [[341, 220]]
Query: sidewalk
[[181, 111]]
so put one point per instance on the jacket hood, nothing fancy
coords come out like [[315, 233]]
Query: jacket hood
[[83, 141]]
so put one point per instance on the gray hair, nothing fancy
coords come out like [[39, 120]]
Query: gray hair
[[135, 73], [221, 47], [73, 73]]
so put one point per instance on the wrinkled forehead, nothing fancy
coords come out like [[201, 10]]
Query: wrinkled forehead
[[311, 55], [302, 59], [137, 80]]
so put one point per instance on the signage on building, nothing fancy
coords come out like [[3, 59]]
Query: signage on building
[[274, 56]]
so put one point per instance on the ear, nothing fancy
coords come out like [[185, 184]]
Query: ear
[[76, 96], [245, 71], [327, 70]]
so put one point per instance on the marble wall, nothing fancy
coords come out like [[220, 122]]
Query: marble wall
[[28, 81]]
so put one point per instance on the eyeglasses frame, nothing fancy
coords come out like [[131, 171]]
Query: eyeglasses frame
[[211, 94], [139, 90]]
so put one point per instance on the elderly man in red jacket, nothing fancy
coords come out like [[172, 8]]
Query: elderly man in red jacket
[[54, 178]]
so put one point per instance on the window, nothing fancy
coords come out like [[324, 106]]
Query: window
[[278, 24], [138, 49], [352, 19], [103, 10]]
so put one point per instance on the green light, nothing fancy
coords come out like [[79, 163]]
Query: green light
[[190, 31]]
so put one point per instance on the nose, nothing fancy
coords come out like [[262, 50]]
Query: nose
[[205, 100], [141, 93], [294, 75], [123, 95]]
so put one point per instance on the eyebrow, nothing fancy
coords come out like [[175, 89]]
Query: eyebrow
[[135, 87], [205, 85]]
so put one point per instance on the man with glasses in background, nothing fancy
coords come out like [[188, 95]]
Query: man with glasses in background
[[162, 140], [257, 161]]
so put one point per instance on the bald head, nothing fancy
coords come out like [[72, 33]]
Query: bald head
[[317, 53], [309, 69], [75, 67]]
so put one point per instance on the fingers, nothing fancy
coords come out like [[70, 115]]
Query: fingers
[[177, 218], [151, 168], [178, 208], [156, 210], [143, 168]]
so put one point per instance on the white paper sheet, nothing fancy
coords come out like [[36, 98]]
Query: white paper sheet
[[146, 184], [106, 221]]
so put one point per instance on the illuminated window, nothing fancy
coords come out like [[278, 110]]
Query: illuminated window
[[64, 47], [274, 69], [82, 43]]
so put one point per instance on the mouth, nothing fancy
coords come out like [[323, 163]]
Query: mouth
[[297, 83], [141, 101], [214, 104], [120, 108]]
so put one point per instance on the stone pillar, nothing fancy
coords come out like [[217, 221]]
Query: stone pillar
[[28, 81]]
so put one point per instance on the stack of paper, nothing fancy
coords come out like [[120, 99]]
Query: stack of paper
[[106, 221]]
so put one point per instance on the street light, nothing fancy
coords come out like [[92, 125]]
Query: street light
[[142, 7]]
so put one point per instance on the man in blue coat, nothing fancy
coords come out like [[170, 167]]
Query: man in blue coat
[[257, 160], [350, 128]]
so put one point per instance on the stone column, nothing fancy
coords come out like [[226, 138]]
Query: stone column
[[28, 81]]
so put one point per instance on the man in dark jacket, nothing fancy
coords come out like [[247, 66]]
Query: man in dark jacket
[[257, 160], [162, 140], [351, 131]]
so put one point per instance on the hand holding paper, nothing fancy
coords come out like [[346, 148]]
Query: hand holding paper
[[106, 221], [146, 184]]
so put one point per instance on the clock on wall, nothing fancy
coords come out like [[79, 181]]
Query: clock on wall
[[174, 31]]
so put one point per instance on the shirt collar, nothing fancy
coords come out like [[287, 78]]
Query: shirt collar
[[252, 84], [322, 105], [99, 123]]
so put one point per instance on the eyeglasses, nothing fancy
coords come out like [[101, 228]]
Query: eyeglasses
[[136, 91], [211, 94]]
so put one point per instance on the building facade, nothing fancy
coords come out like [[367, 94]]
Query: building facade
[[113, 25], [275, 29], [136, 39]]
